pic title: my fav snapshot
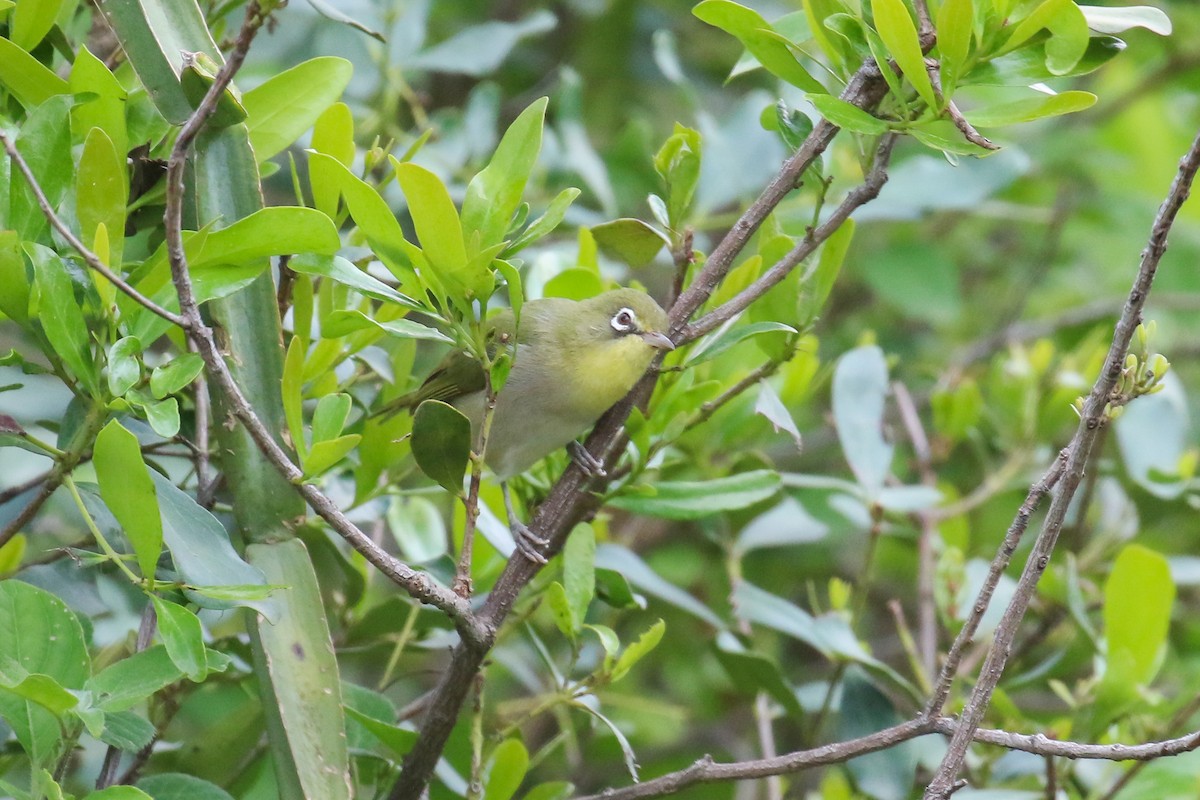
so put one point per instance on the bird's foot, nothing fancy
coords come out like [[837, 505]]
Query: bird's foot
[[527, 541], [592, 466]]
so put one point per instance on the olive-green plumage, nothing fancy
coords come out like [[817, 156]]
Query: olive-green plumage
[[574, 359]]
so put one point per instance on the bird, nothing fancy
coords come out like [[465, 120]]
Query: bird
[[573, 360]]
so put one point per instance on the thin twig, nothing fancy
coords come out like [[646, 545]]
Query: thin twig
[[21, 488], [418, 584], [705, 770], [112, 757], [926, 558], [1078, 451], [90, 258], [866, 191]]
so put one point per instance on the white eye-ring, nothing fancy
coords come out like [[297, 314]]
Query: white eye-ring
[[624, 321]]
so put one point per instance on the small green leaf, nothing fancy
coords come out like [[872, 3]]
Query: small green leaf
[[30, 22], [749, 28], [396, 739], [27, 78], [1115, 20], [860, 386], [343, 271], [101, 191], [579, 572], [183, 636], [178, 786], [955, 24], [330, 417], [163, 415], [169, 378], [14, 281], [560, 611], [323, 455], [1032, 108], [290, 102], [128, 682], [629, 240], [1138, 596], [436, 221], [1069, 34], [61, 315], [441, 443], [333, 134], [847, 116], [494, 194], [544, 224], [638, 650], [124, 366], [716, 346], [505, 769], [293, 394], [129, 493], [341, 323], [899, 34], [755, 671], [696, 499], [576, 283]]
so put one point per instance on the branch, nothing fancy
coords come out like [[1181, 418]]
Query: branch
[[863, 193], [415, 583], [1091, 421], [569, 501], [705, 770]]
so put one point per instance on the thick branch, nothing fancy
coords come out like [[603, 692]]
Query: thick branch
[[569, 502], [1092, 418]]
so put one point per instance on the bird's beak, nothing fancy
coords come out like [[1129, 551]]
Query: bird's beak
[[659, 340]]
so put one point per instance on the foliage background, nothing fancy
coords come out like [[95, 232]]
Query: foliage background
[[1046, 231]]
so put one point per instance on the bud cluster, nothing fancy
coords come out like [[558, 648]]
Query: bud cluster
[[1141, 374]]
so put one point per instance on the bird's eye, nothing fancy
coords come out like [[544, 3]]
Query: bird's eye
[[624, 321]]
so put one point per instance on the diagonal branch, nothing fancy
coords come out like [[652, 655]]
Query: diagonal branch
[[705, 770], [1091, 422], [415, 583], [569, 500]]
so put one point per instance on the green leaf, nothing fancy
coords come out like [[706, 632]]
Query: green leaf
[[638, 650], [860, 385], [885, 774], [62, 317], [847, 116], [755, 671], [129, 493], [493, 195], [749, 28], [292, 389], [441, 443], [290, 102], [955, 24], [124, 366], [333, 134], [629, 240], [504, 770], [183, 636], [1032, 108], [480, 49], [30, 22], [330, 12], [125, 730], [544, 224], [579, 572], [128, 682], [1138, 597], [118, 793], [341, 323], [560, 611], [101, 191], [818, 282], [106, 109], [1114, 20], [1069, 33], [330, 416], [576, 283], [42, 637], [418, 528], [899, 34], [373, 216], [276, 230], [43, 690], [722, 343], [14, 280], [45, 143], [344, 272], [177, 786], [695, 499], [180, 371], [397, 740], [28, 79], [163, 415], [323, 455], [200, 548], [770, 406]]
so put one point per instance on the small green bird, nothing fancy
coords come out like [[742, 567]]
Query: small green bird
[[574, 359]]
